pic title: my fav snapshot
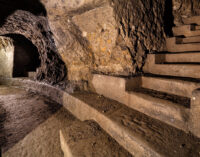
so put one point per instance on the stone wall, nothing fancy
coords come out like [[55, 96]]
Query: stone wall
[[185, 8], [141, 27], [36, 29], [111, 37], [105, 36], [6, 57]]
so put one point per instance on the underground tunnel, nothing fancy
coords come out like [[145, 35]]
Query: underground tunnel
[[26, 57], [99, 78]]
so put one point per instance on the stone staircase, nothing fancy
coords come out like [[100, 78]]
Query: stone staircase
[[168, 92], [153, 115], [177, 71]]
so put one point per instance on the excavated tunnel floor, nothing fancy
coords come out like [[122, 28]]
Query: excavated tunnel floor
[[21, 112], [30, 125]]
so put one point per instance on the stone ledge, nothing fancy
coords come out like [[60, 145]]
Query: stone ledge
[[84, 110], [136, 146], [87, 139]]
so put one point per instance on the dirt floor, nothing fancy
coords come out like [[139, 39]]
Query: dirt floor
[[163, 138], [30, 124], [20, 113]]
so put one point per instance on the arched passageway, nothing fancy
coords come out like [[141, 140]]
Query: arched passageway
[[26, 56]]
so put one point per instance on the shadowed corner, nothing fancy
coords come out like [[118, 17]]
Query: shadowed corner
[[169, 18]]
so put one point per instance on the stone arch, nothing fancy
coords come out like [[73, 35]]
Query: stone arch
[[26, 56], [37, 30]]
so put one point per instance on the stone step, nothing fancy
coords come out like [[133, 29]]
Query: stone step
[[170, 85], [87, 139], [166, 111], [176, 99], [121, 90], [192, 20], [177, 58], [184, 30], [133, 130], [110, 115], [182, 40], [195, 39], [190, 33], [179, 70], [174, 45]]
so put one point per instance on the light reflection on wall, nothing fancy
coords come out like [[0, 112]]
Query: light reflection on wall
[[6, 57]]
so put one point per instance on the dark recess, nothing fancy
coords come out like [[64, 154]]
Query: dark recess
[[168, 18], [15, 16], [26, 56]]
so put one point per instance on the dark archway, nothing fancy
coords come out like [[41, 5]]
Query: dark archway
[[168, 18], [52, 70], [26, 56]]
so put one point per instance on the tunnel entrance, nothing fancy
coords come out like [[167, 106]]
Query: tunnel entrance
[[26, 56]]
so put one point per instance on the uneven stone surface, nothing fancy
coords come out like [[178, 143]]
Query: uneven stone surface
[[44, 139], [105, 36], [172, 142], [171, 85], [192, 57], [178, 70], [21, 112], [166, 140], [158, 105], [109, 36], [99, 27], [30, 124], [88, 139], [185, 8]]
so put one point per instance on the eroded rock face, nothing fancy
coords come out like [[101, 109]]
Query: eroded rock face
[[95, 36], [36, 29], [185, 8], [141, 27], [99, 28], [109, 36]]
